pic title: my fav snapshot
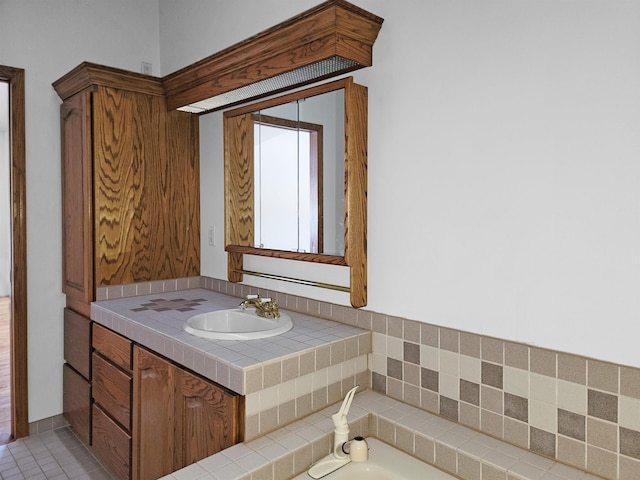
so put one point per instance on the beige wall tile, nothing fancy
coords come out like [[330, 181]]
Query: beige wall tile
[[468, 468], [516, 355], [429, 335], [542, 361], [516, 432], [470, 344], [449, 386], [493, 350], [603, 376], [630, 382], [449, 340], [492, 399], [572, 452], [516, 381], [602, 462], [429, 357], [470, 368], [543, 415], [572, 397], [629, 469], [629, 412], [469, 415], [543, 388], [602, 434], [449, 363], [572, 368]]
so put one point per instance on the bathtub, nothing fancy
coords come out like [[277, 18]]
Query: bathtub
[[385, 463]]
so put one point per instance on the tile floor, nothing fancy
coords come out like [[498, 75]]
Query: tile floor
[[56, 454]]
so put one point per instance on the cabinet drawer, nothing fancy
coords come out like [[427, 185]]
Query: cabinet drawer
[[76, 403], [112, 346], [77, 342], [112, 390], [111, 444]]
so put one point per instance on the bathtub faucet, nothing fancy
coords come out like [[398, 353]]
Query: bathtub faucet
[[338, 456], [264, 306]]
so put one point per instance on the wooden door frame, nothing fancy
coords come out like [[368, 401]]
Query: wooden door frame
[[19, 393]]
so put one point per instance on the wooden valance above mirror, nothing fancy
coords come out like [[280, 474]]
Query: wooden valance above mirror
[[330, 39]]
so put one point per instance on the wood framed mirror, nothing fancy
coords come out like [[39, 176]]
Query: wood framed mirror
[[311, 204]]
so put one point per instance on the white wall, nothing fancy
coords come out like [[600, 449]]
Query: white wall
[[503, 145], [48, 39], [503, 148]]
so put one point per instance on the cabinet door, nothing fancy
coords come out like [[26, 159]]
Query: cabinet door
[[77, 192], [146, 174], [76, 401], [178, 417], [77, 342], [206, 416], [152, 432]]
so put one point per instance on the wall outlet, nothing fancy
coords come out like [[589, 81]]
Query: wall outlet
[[212, 236], [146, 68]]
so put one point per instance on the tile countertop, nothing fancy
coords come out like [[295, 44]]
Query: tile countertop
[[458, 450], [155, 321]]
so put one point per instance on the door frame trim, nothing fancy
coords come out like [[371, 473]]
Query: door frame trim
[[19, 391]]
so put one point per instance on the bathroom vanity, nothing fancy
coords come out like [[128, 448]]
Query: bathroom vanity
[[163, 398]]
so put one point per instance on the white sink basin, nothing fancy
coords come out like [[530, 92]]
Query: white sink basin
[[385, 463], [236, 324]]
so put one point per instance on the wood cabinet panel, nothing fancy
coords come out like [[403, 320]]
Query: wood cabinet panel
[[179, 417], [115, 347], [146, 218], [206, 418], [111, 444], [77, 262], [76, 402], [77, 342], [152, 416], [112, 390]]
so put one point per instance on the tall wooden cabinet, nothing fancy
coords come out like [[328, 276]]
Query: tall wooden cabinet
[[130, 183], [131, 207]]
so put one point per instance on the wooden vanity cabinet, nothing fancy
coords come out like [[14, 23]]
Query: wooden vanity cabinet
[[178, 417], [76, 378], [131, 203], [111, 392]]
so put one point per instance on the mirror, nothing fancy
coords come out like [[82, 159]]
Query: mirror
[[295, 180]]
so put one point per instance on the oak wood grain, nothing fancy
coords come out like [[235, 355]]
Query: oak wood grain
[[111, 389], [77, 342], [111, 444], [19, 372], [333, 28], [112, 346], [239, 185], [76, 402]]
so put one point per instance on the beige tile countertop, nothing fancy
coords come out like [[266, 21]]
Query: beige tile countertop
[[155, 321], [455, 449]]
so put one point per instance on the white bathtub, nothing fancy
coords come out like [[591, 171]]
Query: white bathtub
[[385, 463]]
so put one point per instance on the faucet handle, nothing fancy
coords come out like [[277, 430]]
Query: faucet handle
[[340, 418]]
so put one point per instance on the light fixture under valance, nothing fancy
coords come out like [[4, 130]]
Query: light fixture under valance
[[333, 38]]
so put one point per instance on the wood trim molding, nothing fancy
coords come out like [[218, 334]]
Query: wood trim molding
[[19, 391], [89, 74], [333, 29]]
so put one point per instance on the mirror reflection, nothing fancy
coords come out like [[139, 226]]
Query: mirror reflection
[[295, 177], [298, 175]]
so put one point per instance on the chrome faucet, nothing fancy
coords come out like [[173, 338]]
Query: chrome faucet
[[265, 307]]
